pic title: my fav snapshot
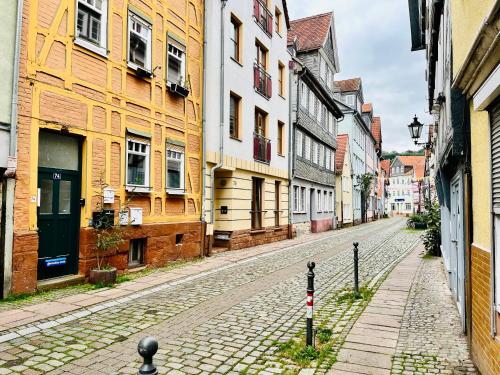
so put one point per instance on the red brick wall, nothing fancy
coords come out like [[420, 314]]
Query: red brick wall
[[485, 349]]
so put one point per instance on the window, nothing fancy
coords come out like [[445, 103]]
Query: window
[[408, 206], [138, 162], [281, 79], [176, 62], [326, 206], [136, 252], [256, 212], [175, 167], [318, 111], [332, 122], [321, 67], [234, 116], [321, 155], [281, 139], [91, 24], [345, 184], [328, 158], [303, 205], [261, 55], [277, 198], [332, 207], [307, 148], [311, 102], [315, 153], [298, 143], [277, 21], [139, 42], [349, 99], [296, 197], [318, 201], [303, 95], [235, 36]]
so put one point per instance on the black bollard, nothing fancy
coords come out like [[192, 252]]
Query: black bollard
[[147, 348], [356, 279], [310, 304]]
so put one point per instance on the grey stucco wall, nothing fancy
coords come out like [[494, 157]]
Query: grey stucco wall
[[311, 209]]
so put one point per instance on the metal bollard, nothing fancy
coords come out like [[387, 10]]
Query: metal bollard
[[147, 348], [356, 279], [310, 304]]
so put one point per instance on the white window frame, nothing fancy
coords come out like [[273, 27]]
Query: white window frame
[[307, 148], [315, 152], [135, 187], [133, 17], [296, 197], [321, 156], [319, 194], [303, 200], [299, 142], [182, 59], [101, 48], [182, 160]]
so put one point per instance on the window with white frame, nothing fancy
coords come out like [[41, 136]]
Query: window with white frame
[[315, 152], [296, 197], [307, 148], [328, 158], [318, 110], [303, 201], [333, 161], [318, 201], [321, 67], [326, 206], [350, 99], [91, 23], [303, 94], [176, 62], [346, 211], [138, 162], [322, 156], [139, 42], [175, 167], [311, 103], [298, 143]]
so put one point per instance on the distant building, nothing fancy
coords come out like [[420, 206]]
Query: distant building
[[314, 118], [404, 196], [344, 182]]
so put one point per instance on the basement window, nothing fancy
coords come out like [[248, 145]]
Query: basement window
[[139, 43], [179, 238], [136, 252], [91, 25]]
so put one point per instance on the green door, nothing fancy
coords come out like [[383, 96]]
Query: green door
[[58, 222]]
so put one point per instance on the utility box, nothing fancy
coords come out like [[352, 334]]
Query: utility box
[[135, 216]]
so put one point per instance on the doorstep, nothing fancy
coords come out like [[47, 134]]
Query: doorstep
[[59, 282]]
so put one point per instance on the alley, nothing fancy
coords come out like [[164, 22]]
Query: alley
[[226, 321]]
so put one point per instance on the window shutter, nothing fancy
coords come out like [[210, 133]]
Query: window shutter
[[256, 77], [495, 153], [269, 87], [255, 146], [269, 24], [268, 151], [256, 9]]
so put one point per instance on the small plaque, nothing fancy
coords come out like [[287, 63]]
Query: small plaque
[[61, 261], [109, 195]]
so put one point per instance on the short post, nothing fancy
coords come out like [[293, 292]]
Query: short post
[[356, 279], [147, 348], [310, 303]]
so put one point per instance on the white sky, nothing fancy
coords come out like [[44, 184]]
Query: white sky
[[374, 43]]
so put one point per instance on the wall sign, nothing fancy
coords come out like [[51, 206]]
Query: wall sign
[[61, 261]]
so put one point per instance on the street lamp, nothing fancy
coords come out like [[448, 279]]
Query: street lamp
[[415, 129]]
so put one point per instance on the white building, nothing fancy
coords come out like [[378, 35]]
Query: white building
[[246, 122]]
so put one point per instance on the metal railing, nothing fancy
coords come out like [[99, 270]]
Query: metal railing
[[262, 81], [263, 16], [261, 148]]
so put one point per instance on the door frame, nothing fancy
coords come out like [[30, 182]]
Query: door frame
[[74, 266]]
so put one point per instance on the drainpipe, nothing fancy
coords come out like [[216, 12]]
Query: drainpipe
[[10, 174], [203, 134], [291, 143], [221, 115]]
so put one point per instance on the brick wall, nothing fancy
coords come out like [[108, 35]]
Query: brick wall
[[485, 349]]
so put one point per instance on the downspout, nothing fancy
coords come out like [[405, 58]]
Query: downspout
[[221, 115], [10, 174], [291, 142], [203, 135]]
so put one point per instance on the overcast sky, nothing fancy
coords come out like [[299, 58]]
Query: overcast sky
[[373, 38]]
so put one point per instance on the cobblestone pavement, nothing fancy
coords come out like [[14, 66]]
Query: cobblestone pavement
[[228, 321], [431, 339]]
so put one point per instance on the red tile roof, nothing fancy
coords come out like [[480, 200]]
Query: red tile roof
[[386, 166], [367, 107], [377, 132], [353, 84], [417, 162], [342, 141], [311, 32]]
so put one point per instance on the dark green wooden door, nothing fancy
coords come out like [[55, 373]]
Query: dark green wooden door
[[58, 222]]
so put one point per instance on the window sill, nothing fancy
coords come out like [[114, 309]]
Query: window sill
[[137, 189], [141, 72], [176, 191], [257, 231], [101, 51], [236, 61], [236, 139]]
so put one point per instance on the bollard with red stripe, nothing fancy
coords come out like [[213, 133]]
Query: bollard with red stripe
[[310, 304]]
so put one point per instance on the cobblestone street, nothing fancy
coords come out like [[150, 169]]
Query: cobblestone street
[[234, 319]]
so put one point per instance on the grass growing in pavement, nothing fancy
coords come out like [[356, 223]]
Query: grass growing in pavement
[[349, 296]]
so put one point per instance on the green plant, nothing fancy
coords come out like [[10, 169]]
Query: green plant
[[349, 296], [324, 335], [365, 184], [415, 220], [432, 236]]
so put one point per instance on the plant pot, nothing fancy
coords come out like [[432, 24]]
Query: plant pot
[[103, 277]]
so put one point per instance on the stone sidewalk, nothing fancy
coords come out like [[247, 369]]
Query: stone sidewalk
[[410, 326]]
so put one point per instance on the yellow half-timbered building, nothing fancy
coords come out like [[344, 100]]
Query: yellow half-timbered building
[[110, 92]]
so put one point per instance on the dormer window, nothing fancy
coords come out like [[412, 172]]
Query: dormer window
[[139, 43]]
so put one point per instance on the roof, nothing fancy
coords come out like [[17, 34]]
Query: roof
[[377, 132], [353, 84], [311, 32], [342, 141], [367, 107], [386, 166], [417, 162]]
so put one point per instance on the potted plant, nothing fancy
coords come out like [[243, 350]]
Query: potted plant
[[108, 237]]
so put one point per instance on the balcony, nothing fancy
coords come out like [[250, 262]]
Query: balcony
[[262, 81], [261, 148], [263, 16]]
